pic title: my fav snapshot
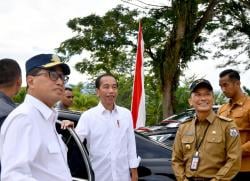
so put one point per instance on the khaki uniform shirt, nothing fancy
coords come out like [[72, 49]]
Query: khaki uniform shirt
[[240, 113], [219, 153]]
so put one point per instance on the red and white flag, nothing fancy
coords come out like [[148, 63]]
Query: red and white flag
[[138, 95]]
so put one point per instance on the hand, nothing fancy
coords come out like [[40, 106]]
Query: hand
[[67, 124], [134, 174]]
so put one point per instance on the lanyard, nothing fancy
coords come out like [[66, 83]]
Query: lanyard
[[197, 145]]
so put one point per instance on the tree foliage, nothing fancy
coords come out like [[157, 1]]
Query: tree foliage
[[234, 20], [246, 90], [108, 40], [173, 36], [81, 101], [19, 98]]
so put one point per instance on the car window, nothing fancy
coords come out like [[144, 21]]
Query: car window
[[78, 160], [147, 148]]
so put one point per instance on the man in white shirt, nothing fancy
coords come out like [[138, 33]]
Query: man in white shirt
[[110, 135], [30, 148]]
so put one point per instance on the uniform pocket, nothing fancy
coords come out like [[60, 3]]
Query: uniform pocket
[[187, 139], [187, 142], [214, 142], [214, 139], [237, 114]]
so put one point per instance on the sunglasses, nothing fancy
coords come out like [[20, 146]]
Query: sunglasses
[[54, 76]]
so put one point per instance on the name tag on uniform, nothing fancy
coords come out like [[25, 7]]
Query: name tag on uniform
[[195, 161]]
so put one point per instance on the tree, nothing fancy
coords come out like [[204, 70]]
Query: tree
[[183, 93], [153, 100], [246, 90], [81, 101], [220, 98], [234, 21], [19, 98], [246, 3], [173, 36]]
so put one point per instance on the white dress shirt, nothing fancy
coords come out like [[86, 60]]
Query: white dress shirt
[[30, 148], [111, 142]]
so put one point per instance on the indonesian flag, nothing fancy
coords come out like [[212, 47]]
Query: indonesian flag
[[138, 95]]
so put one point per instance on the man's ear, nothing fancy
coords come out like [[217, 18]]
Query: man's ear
[[19, 82], [213, 98], [190, 102], [238, 83], [30, 81], [97, 92]]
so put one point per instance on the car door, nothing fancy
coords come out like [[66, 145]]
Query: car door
[[77, 155], [155, 160]]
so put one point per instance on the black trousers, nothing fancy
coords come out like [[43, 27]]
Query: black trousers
[[242, 176]]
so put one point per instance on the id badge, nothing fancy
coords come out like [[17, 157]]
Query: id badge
[[195, 161]]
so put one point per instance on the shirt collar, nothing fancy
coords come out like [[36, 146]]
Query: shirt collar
[[7, 99], [102, 109], [210, 118], [45, 111], [240, 101]]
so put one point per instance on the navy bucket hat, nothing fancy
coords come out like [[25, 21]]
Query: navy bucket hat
[[46, 61]]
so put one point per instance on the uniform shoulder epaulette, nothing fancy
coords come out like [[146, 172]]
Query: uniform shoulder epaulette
[[187, 120], [224, 118], [222, 109]]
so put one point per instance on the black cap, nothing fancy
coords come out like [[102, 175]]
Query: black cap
[[200, 83], [46, 61]]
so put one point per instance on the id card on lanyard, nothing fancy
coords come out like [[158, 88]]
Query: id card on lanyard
[[195, 161], [196, 158]]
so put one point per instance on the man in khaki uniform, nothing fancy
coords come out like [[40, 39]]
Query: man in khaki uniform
[[238, 109], [206, 147]]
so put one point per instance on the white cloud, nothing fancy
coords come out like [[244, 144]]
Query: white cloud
[[30, 27]]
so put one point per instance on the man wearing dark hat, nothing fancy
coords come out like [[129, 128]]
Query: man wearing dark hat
[[30, 147], [207, 147]]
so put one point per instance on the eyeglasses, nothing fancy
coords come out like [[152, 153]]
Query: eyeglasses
[[54, 76]]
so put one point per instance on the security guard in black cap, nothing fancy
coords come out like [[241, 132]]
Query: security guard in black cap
[[206, 147]]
